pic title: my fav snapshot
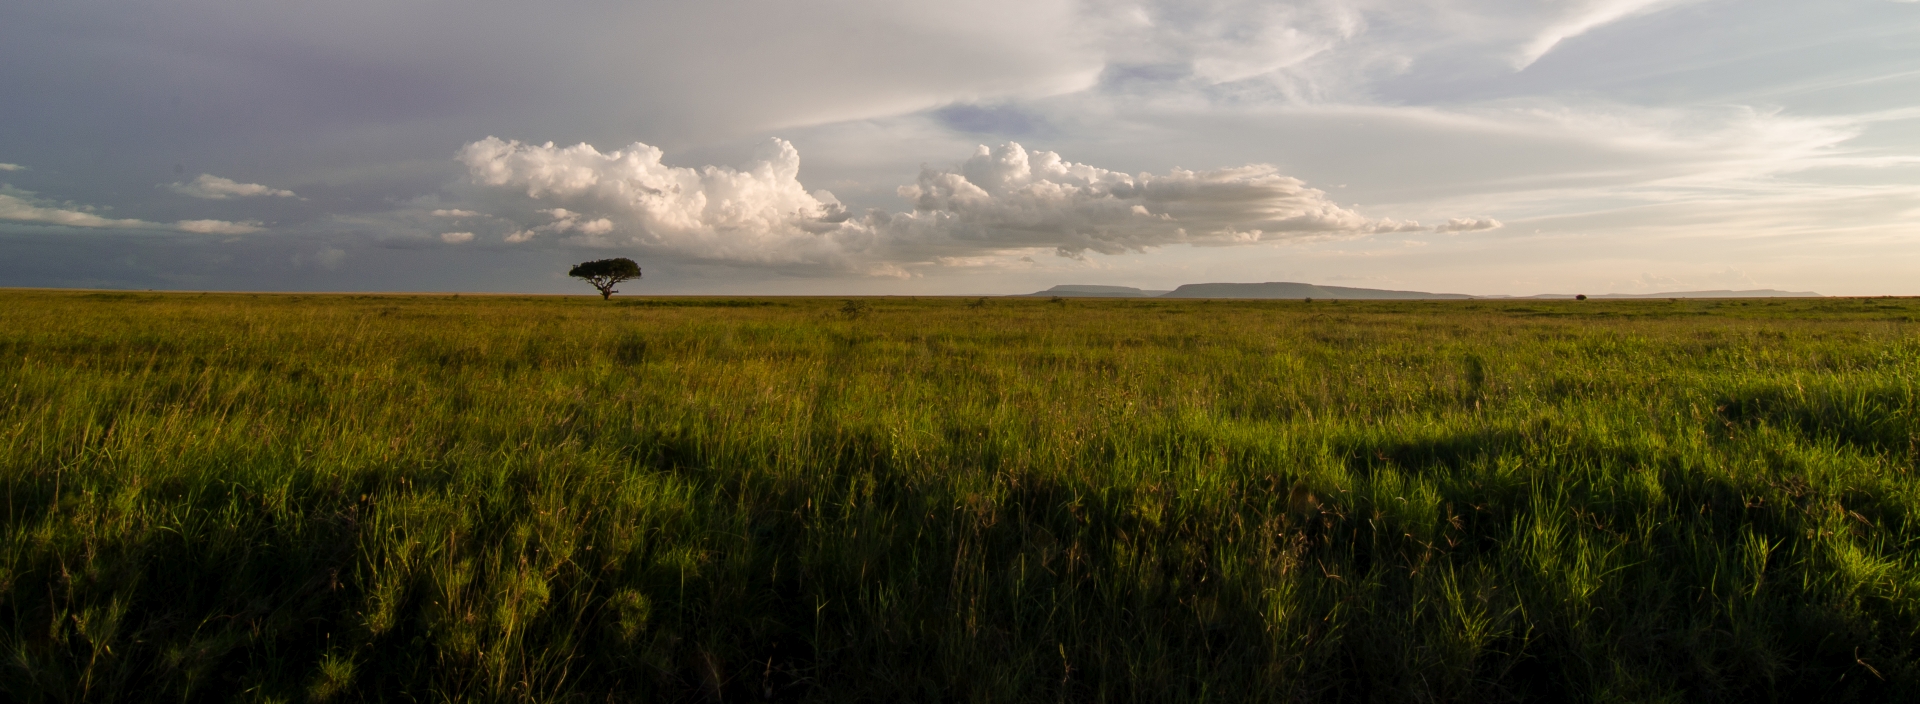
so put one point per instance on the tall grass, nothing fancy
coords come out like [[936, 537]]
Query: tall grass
[[343, 498]]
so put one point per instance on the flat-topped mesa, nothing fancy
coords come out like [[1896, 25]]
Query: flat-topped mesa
[[1091, 291]]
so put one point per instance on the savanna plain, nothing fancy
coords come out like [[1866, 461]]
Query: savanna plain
[[220, 497]]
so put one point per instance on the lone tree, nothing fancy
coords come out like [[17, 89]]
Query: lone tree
[[604, 273]]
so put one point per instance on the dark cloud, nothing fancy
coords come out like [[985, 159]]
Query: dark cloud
[[996, 120]]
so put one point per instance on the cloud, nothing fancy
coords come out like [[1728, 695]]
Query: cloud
[[218, 227], [213, 187], [1582, 18], [760, 214], [1219, 41], [454, 213], [19, 208], [999, 200], [1005, 198], [564, 221], [456, 237], [1468, 225], [12, 167], [328, 258]]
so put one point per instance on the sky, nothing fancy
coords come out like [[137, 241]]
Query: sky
[[842, 147]]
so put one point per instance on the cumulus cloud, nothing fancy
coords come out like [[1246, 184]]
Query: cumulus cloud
[[456, 237], [12, 167], [1006, 198], [214, 187], [1468, 225], [454, 213], [760, 214], [1000, 200], [17, 206]]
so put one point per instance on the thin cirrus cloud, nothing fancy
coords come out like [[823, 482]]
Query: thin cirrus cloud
[[1220, 41], [1581, 18], [211, 187], [18, 207], [998, 201]]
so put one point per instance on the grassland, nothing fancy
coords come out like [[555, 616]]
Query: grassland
[[350, 498]]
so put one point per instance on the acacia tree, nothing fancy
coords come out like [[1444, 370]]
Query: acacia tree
[[604, 273]]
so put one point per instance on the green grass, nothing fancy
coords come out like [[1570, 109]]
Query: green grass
[[348, 498]]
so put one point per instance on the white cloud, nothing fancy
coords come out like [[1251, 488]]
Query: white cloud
[[20, 208], [760, 214], [219, 227], [1583, 18], [214, 187], [454, 213], [564, 221], [1468, 225], [456, 237], [998, 201], [1006, 198], [12, 167]]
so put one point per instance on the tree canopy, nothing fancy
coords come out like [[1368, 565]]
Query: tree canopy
[[604, 273]]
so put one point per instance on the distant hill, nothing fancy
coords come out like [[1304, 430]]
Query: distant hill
[[1288, 289], [1084, 291]]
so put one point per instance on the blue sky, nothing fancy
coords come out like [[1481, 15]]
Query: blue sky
[[848, 146]]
